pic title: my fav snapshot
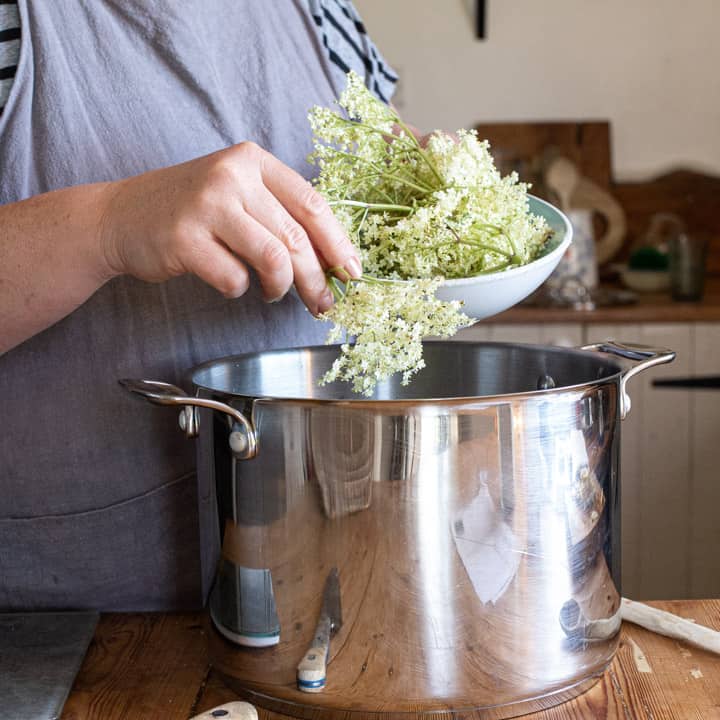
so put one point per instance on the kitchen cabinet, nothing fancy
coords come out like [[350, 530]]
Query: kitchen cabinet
[[563, 334], [670, 454]]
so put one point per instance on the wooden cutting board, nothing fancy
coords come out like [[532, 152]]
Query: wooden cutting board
[[527, 146]]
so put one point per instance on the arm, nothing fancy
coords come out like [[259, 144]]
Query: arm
[[213, 216], [50, 260]]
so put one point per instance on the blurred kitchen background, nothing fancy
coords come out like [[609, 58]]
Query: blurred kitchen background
[[612, 111]]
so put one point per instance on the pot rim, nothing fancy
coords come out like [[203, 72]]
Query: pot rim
[[618, 365]]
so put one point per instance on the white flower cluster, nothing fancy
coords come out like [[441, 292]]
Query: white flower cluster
[[389, 321], [442, 211]]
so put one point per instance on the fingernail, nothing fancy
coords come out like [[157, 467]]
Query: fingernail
[[325, 302], [275, 300], [354, 267], [235, 292]]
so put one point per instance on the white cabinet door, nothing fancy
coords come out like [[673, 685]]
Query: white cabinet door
[[563, 334], [655, 473], [704, 488]]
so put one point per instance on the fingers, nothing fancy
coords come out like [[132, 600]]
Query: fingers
[[210, 261], [309, 275], [308, 208], [253, 242], [253, 210]]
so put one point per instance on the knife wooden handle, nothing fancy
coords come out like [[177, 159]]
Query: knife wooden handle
[[229, 711], [312, 669]]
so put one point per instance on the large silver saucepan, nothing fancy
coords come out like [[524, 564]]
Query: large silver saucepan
[[473, 518]]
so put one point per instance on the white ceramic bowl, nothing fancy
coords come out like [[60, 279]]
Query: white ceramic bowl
[[487, 295]]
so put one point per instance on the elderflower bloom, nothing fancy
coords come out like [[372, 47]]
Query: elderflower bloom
[[388, 321], [420, 214]]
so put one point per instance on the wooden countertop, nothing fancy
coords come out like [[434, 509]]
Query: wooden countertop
[[154, 666], [650, 307]]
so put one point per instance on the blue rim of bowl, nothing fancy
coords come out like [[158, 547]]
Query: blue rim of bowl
[[554, 248]]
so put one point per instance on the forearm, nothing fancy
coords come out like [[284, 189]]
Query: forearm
[[51, 258]]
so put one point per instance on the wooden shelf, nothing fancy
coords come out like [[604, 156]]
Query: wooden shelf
[[650, 308]]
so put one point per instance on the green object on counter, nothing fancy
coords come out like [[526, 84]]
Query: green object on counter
[[648, 258]]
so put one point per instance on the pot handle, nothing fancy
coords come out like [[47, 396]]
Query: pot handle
[[645, 356], [243, 440]]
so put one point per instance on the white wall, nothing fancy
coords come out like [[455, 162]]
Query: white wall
[[652, 67]]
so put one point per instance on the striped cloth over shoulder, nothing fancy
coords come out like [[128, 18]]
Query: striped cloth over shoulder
[[9, 47], [349, 46]]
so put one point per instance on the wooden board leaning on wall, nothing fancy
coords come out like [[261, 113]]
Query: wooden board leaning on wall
[[527, 146], [691, 195]]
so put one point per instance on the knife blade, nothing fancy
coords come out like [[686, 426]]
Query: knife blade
[[312, 669]]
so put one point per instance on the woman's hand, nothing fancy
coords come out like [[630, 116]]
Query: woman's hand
[[218, 215], [215, 216]]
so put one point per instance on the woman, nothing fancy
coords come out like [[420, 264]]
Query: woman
[[153, 156]]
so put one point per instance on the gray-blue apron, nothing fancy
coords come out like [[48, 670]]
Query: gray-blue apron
[[98, 502]]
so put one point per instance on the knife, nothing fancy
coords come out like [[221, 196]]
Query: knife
[[311, 671]]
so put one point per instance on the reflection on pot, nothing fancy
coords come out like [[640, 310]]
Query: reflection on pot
[[459, 533]]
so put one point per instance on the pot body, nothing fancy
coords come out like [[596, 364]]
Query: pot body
[[476, 533]]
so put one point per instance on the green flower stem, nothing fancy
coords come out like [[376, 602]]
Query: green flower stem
[[369, 128], [335, 288], [372, 280], [362, 220], [423, 154], [407, 209], [383, 194], [333, 272], [420, 188], [480, 245], [483, 246], [425, 189], [358, 179], [494, 268], [494, 229], [516, 254], [410, 138]]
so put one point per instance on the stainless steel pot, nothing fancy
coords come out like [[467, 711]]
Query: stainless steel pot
[[473, 517]]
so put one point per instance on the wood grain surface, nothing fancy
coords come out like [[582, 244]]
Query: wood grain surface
[[690, 195], [526, 146], [143, 667]]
